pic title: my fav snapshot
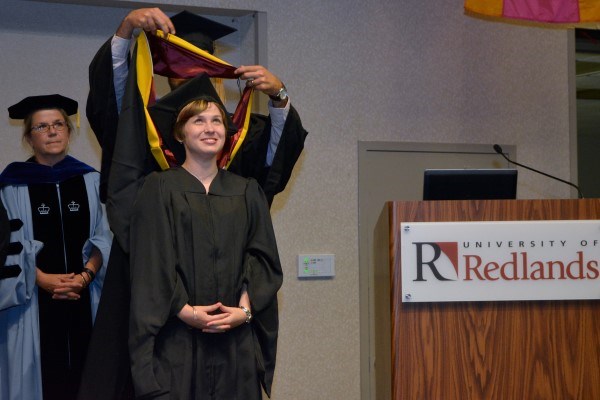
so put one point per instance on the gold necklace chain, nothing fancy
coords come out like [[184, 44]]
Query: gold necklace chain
[[211, 176]]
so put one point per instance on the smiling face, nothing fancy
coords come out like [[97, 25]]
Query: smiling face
[[48, 147], [204, 132]]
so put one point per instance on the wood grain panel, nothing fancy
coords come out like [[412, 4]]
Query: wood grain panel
[[492, 350]]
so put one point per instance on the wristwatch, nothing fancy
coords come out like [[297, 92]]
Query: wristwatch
[[281, 95], [248, 314]]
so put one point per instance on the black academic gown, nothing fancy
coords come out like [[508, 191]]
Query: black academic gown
[[106, 374], [190, 247]]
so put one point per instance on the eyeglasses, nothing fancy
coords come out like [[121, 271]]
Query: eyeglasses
[[58, 126]]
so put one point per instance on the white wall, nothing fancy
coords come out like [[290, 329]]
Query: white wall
[[370, 70]]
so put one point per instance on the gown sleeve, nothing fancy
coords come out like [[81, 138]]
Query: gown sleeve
[[262, 269], [100, 238], [288, 151], [263, 277], [249, 162], [106, 374], [131, 161], [101, 109], [19, 314], [4, 234], [157, 292], [19, 288]]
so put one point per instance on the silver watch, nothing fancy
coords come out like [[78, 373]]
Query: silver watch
[[281, 95], [248, 314]]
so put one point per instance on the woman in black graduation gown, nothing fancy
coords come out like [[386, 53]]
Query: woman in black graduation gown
[[204, 274]]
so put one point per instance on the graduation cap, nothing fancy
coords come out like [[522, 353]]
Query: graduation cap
[[199, 31], [165, 111], [35, 103]]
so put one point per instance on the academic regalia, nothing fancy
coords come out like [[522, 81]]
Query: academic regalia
[[204, 247], [103, 116], [101, 110], [19, 324], [53, 203], [199, 31], [4, 235], [249, 161], [31, 104], [8, 248], [106, 372]]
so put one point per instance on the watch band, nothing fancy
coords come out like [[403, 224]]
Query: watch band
[[248, 314], [281, 95]]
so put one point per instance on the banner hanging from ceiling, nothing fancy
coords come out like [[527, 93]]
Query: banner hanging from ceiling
[[551, 13]]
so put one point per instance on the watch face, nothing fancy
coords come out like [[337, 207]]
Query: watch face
[[282, 94]]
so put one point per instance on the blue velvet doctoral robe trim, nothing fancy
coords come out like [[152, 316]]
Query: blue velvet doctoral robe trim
[[20, 362], [30, 172]]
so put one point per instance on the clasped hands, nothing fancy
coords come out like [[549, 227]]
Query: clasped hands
[[215, 318], [61, 286]]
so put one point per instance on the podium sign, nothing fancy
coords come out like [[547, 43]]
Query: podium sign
[[500, 261], [449, 339]]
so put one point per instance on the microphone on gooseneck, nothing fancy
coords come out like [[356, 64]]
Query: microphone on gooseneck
[[498, 150]]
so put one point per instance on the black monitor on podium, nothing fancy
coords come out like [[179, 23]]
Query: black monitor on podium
[[470, 184]]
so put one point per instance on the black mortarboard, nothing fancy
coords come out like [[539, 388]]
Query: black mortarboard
[[199, 31], [34, 103], [164, 112]]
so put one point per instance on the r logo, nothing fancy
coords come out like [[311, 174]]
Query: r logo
[[450, 249]]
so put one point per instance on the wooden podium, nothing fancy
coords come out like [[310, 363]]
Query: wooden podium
[[521, 350]]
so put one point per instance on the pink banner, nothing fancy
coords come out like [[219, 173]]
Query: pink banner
[[559, 11]]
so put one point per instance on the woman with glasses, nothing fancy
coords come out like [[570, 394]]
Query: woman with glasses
[[47, 309]]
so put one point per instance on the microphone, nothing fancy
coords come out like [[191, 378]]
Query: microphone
[[498, 150]]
